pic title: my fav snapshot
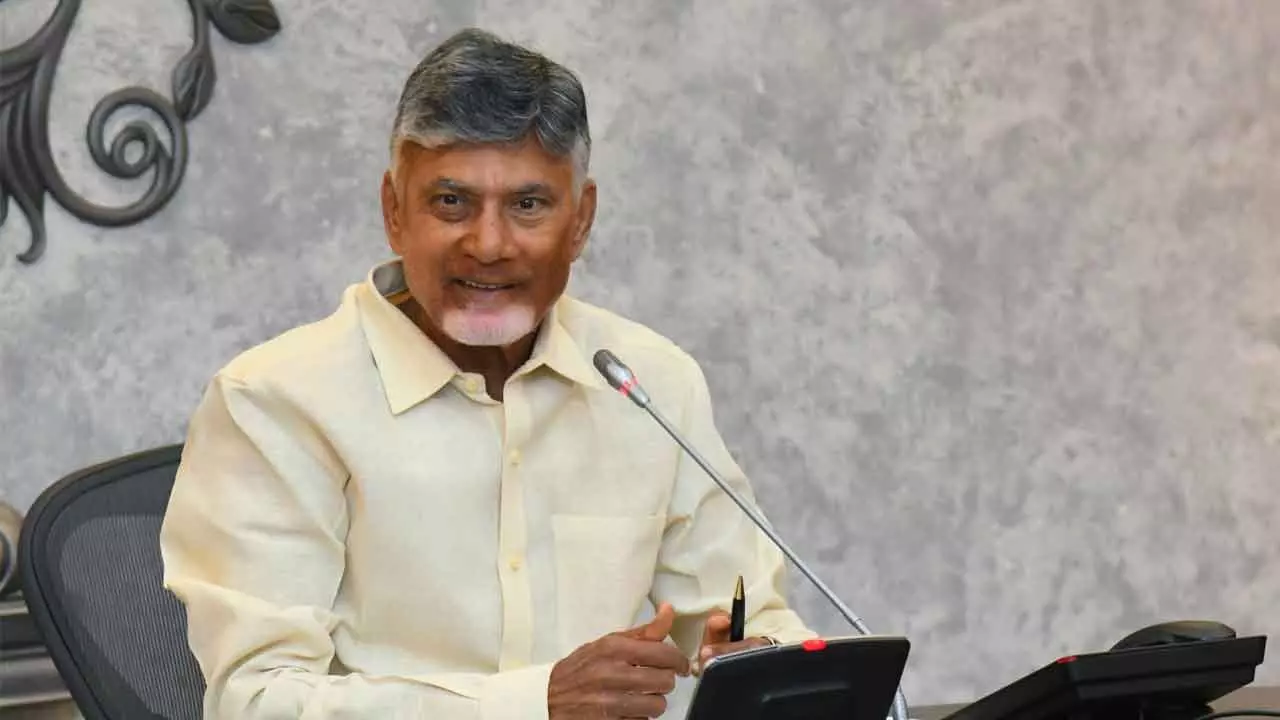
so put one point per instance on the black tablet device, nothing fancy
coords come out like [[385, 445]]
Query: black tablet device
[[1162, 682], [846, 678]]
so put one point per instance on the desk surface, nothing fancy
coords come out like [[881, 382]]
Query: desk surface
[[1245, 698]]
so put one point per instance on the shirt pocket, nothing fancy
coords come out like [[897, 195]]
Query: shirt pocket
[[604, 570]]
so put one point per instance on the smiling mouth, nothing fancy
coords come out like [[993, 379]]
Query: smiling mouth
[[487, 287]]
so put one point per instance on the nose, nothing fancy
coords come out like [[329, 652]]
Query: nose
[[489, 239]]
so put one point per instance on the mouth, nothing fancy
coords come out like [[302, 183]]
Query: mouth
[[483, 286]]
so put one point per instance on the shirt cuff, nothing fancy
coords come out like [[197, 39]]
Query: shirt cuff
[[516, 694], [783, 627], [787, 637]]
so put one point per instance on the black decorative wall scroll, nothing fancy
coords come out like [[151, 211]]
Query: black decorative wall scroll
[[27, 170]]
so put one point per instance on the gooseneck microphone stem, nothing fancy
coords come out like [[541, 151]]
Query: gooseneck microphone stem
[[622, 379], [759, 521]]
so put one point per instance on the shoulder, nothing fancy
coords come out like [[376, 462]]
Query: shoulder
[[313, 353], [283, 396]]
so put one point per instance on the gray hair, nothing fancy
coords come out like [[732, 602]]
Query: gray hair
[[477, 88]]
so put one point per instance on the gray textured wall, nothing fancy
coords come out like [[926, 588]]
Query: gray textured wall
[[988, 291]]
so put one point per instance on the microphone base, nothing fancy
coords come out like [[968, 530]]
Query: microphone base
[[822, 679]]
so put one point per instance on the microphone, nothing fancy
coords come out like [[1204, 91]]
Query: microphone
[[621, 378]]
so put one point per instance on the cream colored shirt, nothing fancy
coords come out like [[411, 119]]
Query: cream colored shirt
[[358, 531]]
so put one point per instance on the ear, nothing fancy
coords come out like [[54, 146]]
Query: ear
[[585, 217], [391, 213]]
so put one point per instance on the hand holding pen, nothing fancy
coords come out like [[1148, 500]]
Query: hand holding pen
[[724, 632]]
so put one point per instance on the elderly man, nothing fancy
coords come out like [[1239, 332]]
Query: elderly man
[[428, 504]]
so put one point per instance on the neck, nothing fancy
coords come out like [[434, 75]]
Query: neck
[[495, 363]]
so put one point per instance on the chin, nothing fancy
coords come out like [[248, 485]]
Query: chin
[[489, 328]]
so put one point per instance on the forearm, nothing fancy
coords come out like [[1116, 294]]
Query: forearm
[[781, 624], [710, 541], [265, 661], [768, 612], [699, 580], [292, 694]]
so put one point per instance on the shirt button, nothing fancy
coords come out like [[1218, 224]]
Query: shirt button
[[514, 563], [473, 385], [514, 457]]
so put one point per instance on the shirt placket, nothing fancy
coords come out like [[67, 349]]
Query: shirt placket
[[513, 571]]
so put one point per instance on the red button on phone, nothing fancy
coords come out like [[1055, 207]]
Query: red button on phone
[[814, 644]]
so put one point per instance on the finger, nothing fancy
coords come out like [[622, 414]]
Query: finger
[[716, 650], [642, 680], [710, 651], [638, 706], [657, 629], [716, 630], [645, 653]]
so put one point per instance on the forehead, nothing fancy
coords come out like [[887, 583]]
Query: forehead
[[485, 167]]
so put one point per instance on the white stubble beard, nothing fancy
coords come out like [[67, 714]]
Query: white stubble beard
[[489, 329]]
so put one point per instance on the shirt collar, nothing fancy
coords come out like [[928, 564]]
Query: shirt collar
[[413, 368], [557, 349]]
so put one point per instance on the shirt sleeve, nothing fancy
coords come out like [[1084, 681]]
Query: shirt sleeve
[[709, 541], [253, 546]]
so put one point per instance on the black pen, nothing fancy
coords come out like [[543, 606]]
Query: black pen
[[737, 618]]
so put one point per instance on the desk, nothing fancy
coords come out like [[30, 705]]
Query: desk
[[1266, 698]]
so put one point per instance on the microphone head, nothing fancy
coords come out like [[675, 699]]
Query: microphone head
[[613, 370], [620, 377]]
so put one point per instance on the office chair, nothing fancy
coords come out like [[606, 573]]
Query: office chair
[[89, 559]]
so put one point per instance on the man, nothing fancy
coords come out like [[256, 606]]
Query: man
[[429, 504]]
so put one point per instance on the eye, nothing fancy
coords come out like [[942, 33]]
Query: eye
[[530, 204], [449, 206]]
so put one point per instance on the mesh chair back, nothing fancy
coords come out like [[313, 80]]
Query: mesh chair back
[[92, 576]]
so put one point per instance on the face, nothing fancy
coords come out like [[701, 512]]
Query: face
[[487, 236]]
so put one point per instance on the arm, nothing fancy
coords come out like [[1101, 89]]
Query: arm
[[709, 541], [253, 545]]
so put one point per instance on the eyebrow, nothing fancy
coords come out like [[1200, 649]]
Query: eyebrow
[[445, 183], [533, 188], [529, 188]]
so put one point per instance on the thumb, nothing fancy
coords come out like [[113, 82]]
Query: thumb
[[657, 629]]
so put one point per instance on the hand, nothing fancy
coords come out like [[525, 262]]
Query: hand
[[715, 640], [626, 674]]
